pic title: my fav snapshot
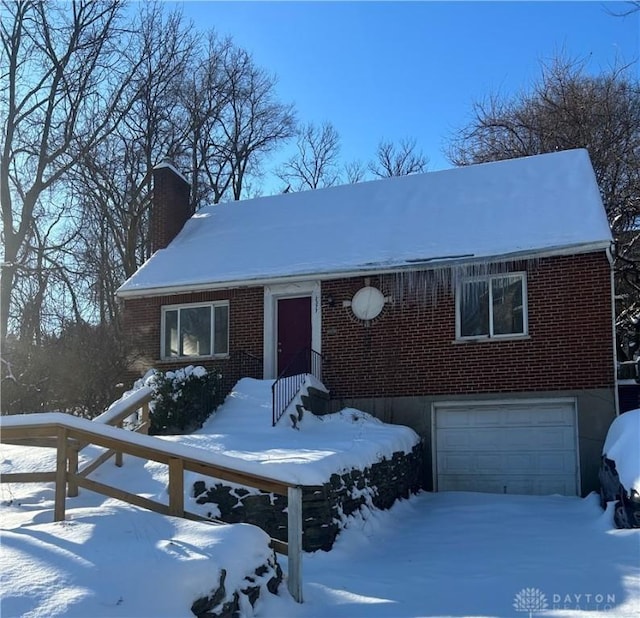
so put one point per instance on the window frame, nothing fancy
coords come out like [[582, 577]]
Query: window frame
[[522, 275], [179, 307]]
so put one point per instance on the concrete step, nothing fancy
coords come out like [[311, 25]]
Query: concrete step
[[316, 392], [316, 404]]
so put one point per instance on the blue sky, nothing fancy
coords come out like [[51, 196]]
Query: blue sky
[[413, 69]]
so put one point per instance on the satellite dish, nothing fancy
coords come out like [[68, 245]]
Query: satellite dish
[[367, 303]]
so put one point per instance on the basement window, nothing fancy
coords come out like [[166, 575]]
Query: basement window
[[195, 330], [492, 307]]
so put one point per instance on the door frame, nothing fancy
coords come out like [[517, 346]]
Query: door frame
[[272, 294], [462, 403]]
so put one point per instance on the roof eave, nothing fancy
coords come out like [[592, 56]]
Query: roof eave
[[373, 269]]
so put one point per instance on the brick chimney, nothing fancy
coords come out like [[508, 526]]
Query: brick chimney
[[170, 207]]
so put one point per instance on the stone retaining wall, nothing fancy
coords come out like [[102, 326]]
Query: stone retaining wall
[[325, 508], [221, 603]]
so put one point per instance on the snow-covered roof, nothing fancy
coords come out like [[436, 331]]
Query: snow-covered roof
[[513, 208]]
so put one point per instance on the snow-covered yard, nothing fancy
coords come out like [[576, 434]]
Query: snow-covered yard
[[448, 554]]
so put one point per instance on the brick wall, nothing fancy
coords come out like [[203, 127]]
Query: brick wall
[[143, 317], [411, 349], [170, 206]]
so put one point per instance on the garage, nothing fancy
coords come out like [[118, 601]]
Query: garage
[[517, 447]]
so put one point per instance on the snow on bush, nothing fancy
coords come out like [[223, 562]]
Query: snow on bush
[[183, 399], [622, 446]]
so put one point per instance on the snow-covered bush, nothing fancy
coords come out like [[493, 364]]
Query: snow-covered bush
[[183, 399], [620, 469]]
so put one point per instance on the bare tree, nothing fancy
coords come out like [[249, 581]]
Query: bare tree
[[259, 125], [398, 160], [315, 164], [46, 293], [204, 96], [236, 122], [184, 98], [114, 178], [65, 89], [254, 122], [355, 171], [630, 7], [567, 108], [94, 98]]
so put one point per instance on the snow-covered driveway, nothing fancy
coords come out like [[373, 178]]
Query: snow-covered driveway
[[464, 554], [447, 554]]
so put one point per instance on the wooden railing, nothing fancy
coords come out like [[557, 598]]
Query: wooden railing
[[114, 416], [69, 434], [135, 403]]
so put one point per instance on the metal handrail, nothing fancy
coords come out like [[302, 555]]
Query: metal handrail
[[239, 364], [288, 383], [249, 364]]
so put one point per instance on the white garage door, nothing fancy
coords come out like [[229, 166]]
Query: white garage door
[[528, 447]]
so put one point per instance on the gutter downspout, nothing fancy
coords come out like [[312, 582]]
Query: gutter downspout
[[616, 396]]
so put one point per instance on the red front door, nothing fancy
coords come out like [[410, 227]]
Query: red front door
[[294, 335]]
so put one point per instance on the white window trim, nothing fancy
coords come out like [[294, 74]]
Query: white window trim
[[212, 305], [491, 335]]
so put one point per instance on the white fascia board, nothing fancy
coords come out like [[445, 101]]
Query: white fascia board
[[374, 269]]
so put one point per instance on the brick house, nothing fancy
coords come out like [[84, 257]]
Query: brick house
[[472, 304]]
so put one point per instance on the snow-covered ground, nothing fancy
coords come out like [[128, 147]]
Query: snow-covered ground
[[448, 554], [241, 428]]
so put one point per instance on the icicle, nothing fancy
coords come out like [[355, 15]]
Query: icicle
[[425, 287]]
